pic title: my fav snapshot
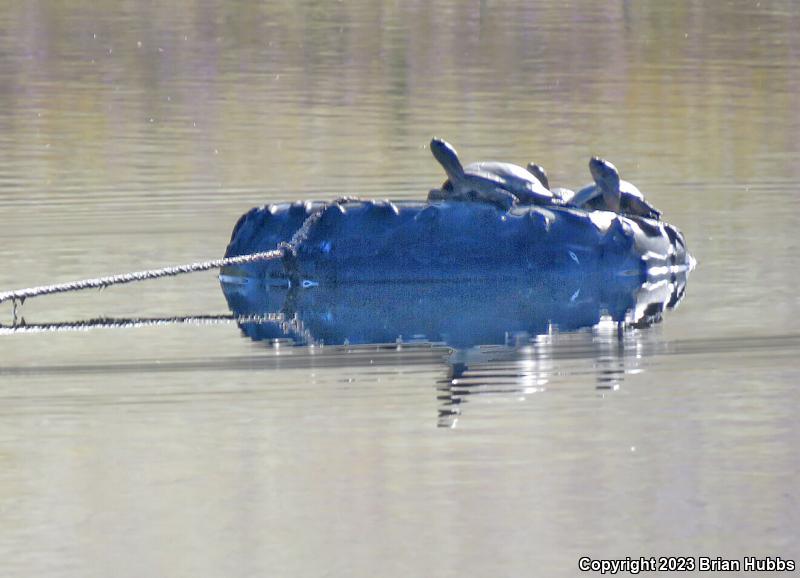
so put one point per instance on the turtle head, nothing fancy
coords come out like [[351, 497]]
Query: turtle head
[[606, 177], [447, 156], [539, 172]]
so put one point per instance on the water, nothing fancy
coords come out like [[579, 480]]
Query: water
[[134, 136]]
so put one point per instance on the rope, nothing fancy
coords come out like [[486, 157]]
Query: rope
[[305, 229], [135, 322], [290, 248], [287, 252], [102, 282]]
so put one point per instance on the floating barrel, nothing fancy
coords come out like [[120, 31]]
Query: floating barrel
[[413, 242]]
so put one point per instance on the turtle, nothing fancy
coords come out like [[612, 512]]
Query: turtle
[[528, 189], [539, 172], [565, 195], [610, 193], [502, 184]]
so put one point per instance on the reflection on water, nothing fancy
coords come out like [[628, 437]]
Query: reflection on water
[[516, 373], [460, 314], [133, 134], [504, 336]]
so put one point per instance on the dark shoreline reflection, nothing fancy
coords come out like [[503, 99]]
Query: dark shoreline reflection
[[506, 337]]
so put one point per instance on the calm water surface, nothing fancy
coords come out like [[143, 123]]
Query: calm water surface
[[134, 135]]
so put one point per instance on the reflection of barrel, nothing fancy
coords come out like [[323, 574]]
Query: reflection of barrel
[[366, 241], [458, 313]]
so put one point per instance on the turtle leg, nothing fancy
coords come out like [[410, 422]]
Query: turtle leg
[[497, 196], [443, 193], [437, 195], [502, 198], [642, 208]]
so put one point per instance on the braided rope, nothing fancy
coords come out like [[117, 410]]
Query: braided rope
[[305, 229], [135, 322], [102, 282], [289, 248], [287, 252]]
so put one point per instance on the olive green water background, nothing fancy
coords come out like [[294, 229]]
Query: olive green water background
[[133, 135]]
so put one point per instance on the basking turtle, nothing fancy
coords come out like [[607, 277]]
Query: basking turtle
[[502, 184], [565, 195], [528, 189], [610, 193]]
